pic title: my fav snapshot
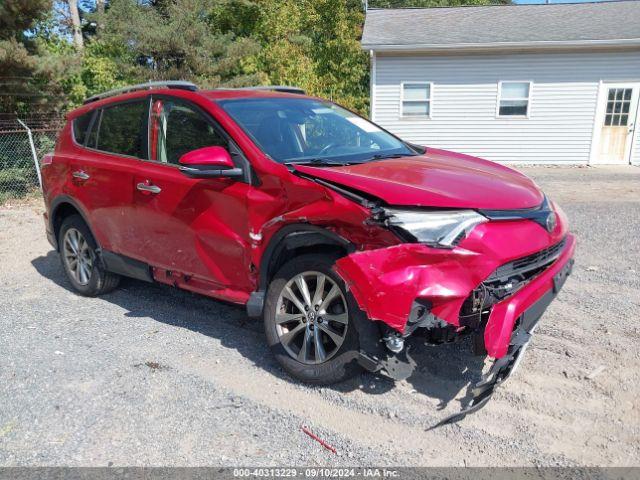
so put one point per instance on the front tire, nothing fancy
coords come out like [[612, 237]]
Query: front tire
[[80, 261], [308, 321]]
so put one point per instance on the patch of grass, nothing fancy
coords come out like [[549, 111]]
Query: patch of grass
[[19, 197], [17, 183]]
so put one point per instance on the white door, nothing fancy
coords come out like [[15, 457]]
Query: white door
[[615, 123]]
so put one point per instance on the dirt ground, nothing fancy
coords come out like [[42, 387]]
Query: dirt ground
[[149, 375]]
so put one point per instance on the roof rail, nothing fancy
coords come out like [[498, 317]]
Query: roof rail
[[273, 88], [182, 85]]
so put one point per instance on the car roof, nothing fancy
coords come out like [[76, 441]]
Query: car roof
[[214, 95], [225, 94]]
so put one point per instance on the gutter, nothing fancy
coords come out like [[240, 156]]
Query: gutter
[[493, 46]]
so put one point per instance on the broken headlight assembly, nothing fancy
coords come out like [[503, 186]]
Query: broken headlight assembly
[[440, 229]]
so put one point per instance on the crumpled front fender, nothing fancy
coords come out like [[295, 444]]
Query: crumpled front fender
[[386, 281]]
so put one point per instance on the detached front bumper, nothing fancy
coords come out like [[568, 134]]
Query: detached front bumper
[[504, 367], [387, 282], [528, 304]]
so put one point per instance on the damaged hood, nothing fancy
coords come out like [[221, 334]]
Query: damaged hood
[[438, 178]]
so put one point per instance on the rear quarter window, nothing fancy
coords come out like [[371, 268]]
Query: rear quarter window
[[80, 127]]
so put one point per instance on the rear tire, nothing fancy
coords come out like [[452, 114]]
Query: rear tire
[[78, 254], [308, 320]]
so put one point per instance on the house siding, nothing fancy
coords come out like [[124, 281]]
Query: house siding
[[635, 153], [563, 100]]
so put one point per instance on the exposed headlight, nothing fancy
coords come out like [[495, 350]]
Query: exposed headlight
[[437, 228]]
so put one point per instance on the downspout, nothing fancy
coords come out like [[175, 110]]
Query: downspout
[[372, 85]]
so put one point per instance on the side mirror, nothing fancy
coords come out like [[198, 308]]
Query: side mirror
[[209, 162]]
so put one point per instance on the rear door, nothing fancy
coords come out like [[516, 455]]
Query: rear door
[[189, 228], [102, 171]]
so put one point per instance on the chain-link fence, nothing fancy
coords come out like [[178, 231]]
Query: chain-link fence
[[23, 142]]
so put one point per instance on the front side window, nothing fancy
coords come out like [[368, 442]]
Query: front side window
[[304, 130], [513, 99], [80, 126], [121, 129], [178, 128], [416, 99]]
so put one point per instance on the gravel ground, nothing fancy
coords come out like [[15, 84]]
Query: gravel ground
[[149, 375]]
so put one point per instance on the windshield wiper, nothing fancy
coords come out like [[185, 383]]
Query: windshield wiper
[[383, 156], [315, 161]]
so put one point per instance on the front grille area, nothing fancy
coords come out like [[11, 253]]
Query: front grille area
[[505, 281], [531, 263]]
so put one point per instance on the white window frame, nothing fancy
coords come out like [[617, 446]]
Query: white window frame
[[429, 100], [528, 99]]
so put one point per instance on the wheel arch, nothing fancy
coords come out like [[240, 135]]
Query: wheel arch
[[62, 207], [289, 242]]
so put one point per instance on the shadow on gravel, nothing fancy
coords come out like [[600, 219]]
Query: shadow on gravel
[[442, 372]]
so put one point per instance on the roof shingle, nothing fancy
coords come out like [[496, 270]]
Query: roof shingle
[[502, 24]]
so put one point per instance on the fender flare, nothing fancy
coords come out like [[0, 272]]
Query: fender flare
[[290, 236], [58, 202]]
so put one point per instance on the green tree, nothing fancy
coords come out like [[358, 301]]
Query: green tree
[[101, 67], [281, 31], [314, 44], [18, 63], [239, 17], [340, 63], [33, 72], [176, 39]]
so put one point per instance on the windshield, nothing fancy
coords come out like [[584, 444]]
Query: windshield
[[304, 130]]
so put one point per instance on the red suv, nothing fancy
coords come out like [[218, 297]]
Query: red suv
[[344, 238]]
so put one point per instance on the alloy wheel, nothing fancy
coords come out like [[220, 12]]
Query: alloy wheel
[[311, 317], [78, 256]]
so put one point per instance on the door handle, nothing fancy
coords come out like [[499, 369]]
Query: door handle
[[80, 175], [144, 187]]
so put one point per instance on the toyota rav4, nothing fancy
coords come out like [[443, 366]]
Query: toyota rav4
[[345, 239]]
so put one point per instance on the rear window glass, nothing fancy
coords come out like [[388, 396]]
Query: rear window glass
[[80, 126], [122, 129]]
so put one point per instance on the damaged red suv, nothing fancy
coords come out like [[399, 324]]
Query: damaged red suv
[[344, 238]]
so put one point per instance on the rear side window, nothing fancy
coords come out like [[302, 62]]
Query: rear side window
[[80, 126], [92, 135], [122, 129]]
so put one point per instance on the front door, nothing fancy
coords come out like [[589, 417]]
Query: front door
[[616, 121], [192, 231]]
